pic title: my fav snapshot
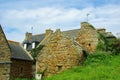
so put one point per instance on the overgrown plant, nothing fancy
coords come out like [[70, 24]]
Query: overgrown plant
[[108, 45], [116, 47], [102, 44], [35, 51]]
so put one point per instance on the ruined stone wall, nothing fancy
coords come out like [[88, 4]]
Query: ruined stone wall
[[88, 37], [58, 55], [5, 54]]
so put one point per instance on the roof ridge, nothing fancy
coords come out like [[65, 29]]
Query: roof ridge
[[13, 41], [70, 30], [26, 52], [38, 34], [61, 31]]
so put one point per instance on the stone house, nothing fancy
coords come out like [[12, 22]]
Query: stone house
[[5, 57], [58, 54], [14, 60], [86, 36], [21, 66], [63, 50]]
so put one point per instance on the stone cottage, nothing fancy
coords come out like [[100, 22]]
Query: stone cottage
[[58, 54], [5, 57], [65, 49], [21, 66], [14, 60]]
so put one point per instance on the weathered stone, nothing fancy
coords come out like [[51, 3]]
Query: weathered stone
[[5, 54], [88, 37], [28, 36], [59, 54], [21, 69]]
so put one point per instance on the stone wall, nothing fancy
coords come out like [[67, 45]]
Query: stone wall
[[21, 69], [4, 71], [59, 54], [5, 54], [88, 37]]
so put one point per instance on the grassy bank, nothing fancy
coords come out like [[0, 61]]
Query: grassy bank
[[100, 66]]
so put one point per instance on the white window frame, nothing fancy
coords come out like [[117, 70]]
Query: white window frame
[[33, 45], [25, 46]]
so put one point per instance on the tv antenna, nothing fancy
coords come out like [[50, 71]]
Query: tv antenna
[[87, 16], [32, 30]]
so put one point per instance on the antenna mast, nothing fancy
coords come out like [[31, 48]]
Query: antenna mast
[[32, 30], [87, 16]]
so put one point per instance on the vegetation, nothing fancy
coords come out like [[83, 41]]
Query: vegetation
[[35, 51], [108, 45], [116, 47], [102, 43], [101, 65], [98, 66], [22, 79]]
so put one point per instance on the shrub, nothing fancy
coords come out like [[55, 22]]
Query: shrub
[[97, 58], [35, 51]]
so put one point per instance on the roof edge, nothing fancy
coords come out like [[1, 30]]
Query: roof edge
[[26, 52]]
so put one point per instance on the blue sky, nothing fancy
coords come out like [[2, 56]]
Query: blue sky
[[18, 16]]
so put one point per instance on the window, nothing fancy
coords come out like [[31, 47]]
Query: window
[[33, 45], [25, 46], [59, 68], [21, 73], [21, 69]]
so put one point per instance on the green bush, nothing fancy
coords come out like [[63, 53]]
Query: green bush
[[35, 52], [98, 57], [108, 45]]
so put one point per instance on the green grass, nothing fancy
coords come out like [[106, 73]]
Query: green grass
[[100, 66], [21, 79]]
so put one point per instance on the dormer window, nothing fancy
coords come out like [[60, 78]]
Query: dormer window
[[33, 45], [25, 46]]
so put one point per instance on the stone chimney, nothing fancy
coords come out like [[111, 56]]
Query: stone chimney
[[28, 36], [57, 31], [101, 30], [86, 25], [48, 32]]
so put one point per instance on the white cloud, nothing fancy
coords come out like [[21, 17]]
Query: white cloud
[[65, 19]]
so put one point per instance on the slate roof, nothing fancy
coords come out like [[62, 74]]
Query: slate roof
[[18, 52], [38, 38], [72, 34]]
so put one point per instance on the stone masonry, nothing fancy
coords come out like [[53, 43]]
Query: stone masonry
[[63, 50], [5, 54], [88, 37], [59, 54]]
